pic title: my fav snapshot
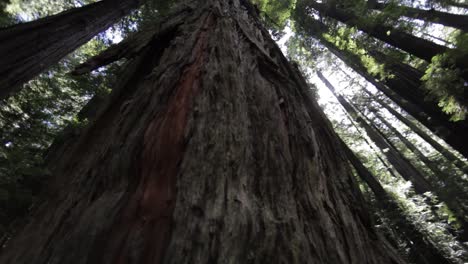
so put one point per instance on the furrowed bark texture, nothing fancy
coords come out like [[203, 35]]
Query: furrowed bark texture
[[30, 48], [209, 151]]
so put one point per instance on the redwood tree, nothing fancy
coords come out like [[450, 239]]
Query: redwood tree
[[209, 150], [422, 250], [416, 46], [404, 89], [29, 48], [443, 18]]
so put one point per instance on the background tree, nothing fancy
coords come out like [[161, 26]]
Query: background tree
[[29, 48]]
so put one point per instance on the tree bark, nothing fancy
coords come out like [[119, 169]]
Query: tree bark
[[28, 49], [422, 250], [210, 150], [443, 18]]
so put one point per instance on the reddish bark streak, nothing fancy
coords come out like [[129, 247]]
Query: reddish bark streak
[[149, 211]]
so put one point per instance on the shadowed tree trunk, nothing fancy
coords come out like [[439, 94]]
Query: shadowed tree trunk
[[28, 49], [210, 150], [401, 164], [419, 47], [436, 145], [446, 42], [407, 81], [456, 4], [443, 18], [450, 187], [394, 131], [422, 251], [404, 91]]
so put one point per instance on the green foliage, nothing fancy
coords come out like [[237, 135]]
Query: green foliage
[[445, 85], [6, 18], [31, 120], [344, 39], [275, 12], [297, 51]]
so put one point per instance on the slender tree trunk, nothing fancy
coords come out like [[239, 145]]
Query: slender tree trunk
[[422, 251], [446, 19], [436, 145], [378, 151], [454, 197], [404, 91], [28, 49], [454, 133], [418, 47], [403, 166], [421, 48], [457, 4], [437, 38], [407, 80], [210, 150], [427, 162], [451, 188]]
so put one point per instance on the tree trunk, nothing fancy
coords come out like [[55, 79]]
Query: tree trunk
[[436, 145], [457, 4], [403, 166], [210, 150], [427, 162], [407, 96], [446, 42], [422, 251], [446, 189], [407, 80], [418, 47], [451, 187], [30, 48], [446, 19]]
